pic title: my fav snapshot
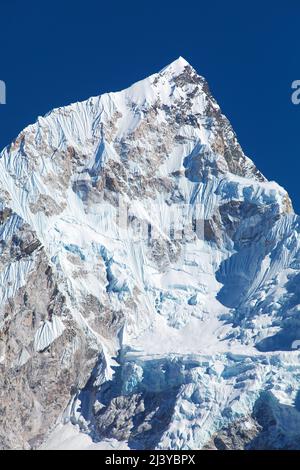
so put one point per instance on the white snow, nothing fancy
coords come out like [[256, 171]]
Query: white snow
[[69, 437], [48, 332]]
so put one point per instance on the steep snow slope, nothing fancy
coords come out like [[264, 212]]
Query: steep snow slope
[[174, 263]]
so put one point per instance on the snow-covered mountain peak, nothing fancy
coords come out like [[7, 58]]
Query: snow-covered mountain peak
[[176, 67], [168, 266]]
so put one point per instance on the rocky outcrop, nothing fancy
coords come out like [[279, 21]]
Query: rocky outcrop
[[36, 383]]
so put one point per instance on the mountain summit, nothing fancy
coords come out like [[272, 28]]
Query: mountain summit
[[148, 279]]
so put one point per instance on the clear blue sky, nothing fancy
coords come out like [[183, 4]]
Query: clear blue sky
[[57, 52]]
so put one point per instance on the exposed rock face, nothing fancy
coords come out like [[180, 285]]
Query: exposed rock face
[[238, 436], [148, 277], [35, 387]]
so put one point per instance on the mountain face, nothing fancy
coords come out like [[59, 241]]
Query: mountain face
[[149, 279]]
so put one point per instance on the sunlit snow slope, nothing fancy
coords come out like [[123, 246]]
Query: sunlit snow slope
[[149, 279]]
